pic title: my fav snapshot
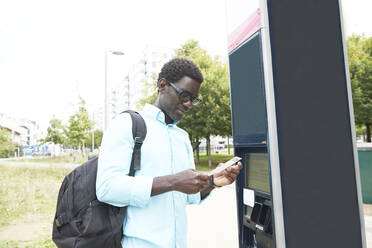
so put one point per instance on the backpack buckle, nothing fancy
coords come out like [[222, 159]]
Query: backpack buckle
[[57, 223], [62, 220], [138, 141]]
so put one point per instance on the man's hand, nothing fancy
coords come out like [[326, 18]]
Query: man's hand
[[190, 181], [227, 176]]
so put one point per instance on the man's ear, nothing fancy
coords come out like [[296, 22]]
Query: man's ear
[[161, 84]]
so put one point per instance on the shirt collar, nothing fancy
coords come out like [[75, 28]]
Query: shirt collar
[[155, 113]]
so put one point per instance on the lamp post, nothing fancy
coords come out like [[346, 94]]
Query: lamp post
[[106, 86], [93, 133], [128, 95]]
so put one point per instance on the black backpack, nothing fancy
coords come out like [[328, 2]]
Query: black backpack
[[83, 221]]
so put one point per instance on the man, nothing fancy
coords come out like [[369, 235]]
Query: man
[[157, 196]]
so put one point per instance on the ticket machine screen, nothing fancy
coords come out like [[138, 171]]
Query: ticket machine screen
[[257, 174]]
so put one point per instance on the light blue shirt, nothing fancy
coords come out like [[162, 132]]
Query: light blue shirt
[[157, 221]]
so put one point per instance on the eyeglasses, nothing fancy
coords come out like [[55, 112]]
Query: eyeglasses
[[185, 96]]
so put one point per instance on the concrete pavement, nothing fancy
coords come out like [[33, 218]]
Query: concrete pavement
[[213, 223]]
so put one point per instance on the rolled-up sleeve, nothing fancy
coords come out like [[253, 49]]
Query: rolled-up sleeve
[[113, 184]]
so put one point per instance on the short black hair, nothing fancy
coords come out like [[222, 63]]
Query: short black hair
[[177, 68]]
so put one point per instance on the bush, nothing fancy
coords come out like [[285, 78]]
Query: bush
[[7, 146]]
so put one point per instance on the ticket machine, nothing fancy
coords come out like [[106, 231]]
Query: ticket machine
[[293, 125]]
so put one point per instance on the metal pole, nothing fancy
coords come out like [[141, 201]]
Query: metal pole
[[106, 86], [93, 134], [128, 92], [93, 140], [106, 96]]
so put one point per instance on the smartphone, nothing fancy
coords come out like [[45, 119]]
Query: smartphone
[[220, 168]]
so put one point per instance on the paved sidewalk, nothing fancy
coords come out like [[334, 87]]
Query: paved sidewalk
[[368, 223], [214, 222]]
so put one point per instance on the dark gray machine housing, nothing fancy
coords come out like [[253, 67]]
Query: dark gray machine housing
[[293, 126]]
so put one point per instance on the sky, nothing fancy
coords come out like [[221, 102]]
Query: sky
[[53, 51]]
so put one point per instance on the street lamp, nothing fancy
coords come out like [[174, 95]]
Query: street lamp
[[93, 133], [106, 86]]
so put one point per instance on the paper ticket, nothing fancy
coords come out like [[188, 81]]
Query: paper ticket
[[220, 168]]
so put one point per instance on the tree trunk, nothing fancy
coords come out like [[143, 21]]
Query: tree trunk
[[197, 152], [228, 145], [368, 127], [209, 152]]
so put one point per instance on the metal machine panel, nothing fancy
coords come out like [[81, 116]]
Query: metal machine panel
[[317, 164], [248, 101]]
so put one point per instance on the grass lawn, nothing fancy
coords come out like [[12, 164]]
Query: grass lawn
[[216, 159], [28, 196], [26, 193]]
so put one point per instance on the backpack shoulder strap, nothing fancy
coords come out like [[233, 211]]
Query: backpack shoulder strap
[[139, 132]]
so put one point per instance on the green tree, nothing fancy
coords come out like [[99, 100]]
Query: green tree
[[79, 127], [360, 66], [7, 146], [149, 94], [55, 132], [212, 116], [97, 138], [223, 122]]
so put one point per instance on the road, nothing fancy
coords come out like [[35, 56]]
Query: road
[[19, 163]]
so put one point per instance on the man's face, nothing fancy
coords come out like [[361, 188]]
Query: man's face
[[171, 102]]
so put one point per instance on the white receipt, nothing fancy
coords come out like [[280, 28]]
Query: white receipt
[[223, 166], [248, 197]]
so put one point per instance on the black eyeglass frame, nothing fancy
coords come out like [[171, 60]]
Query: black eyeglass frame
[[184, 95]]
